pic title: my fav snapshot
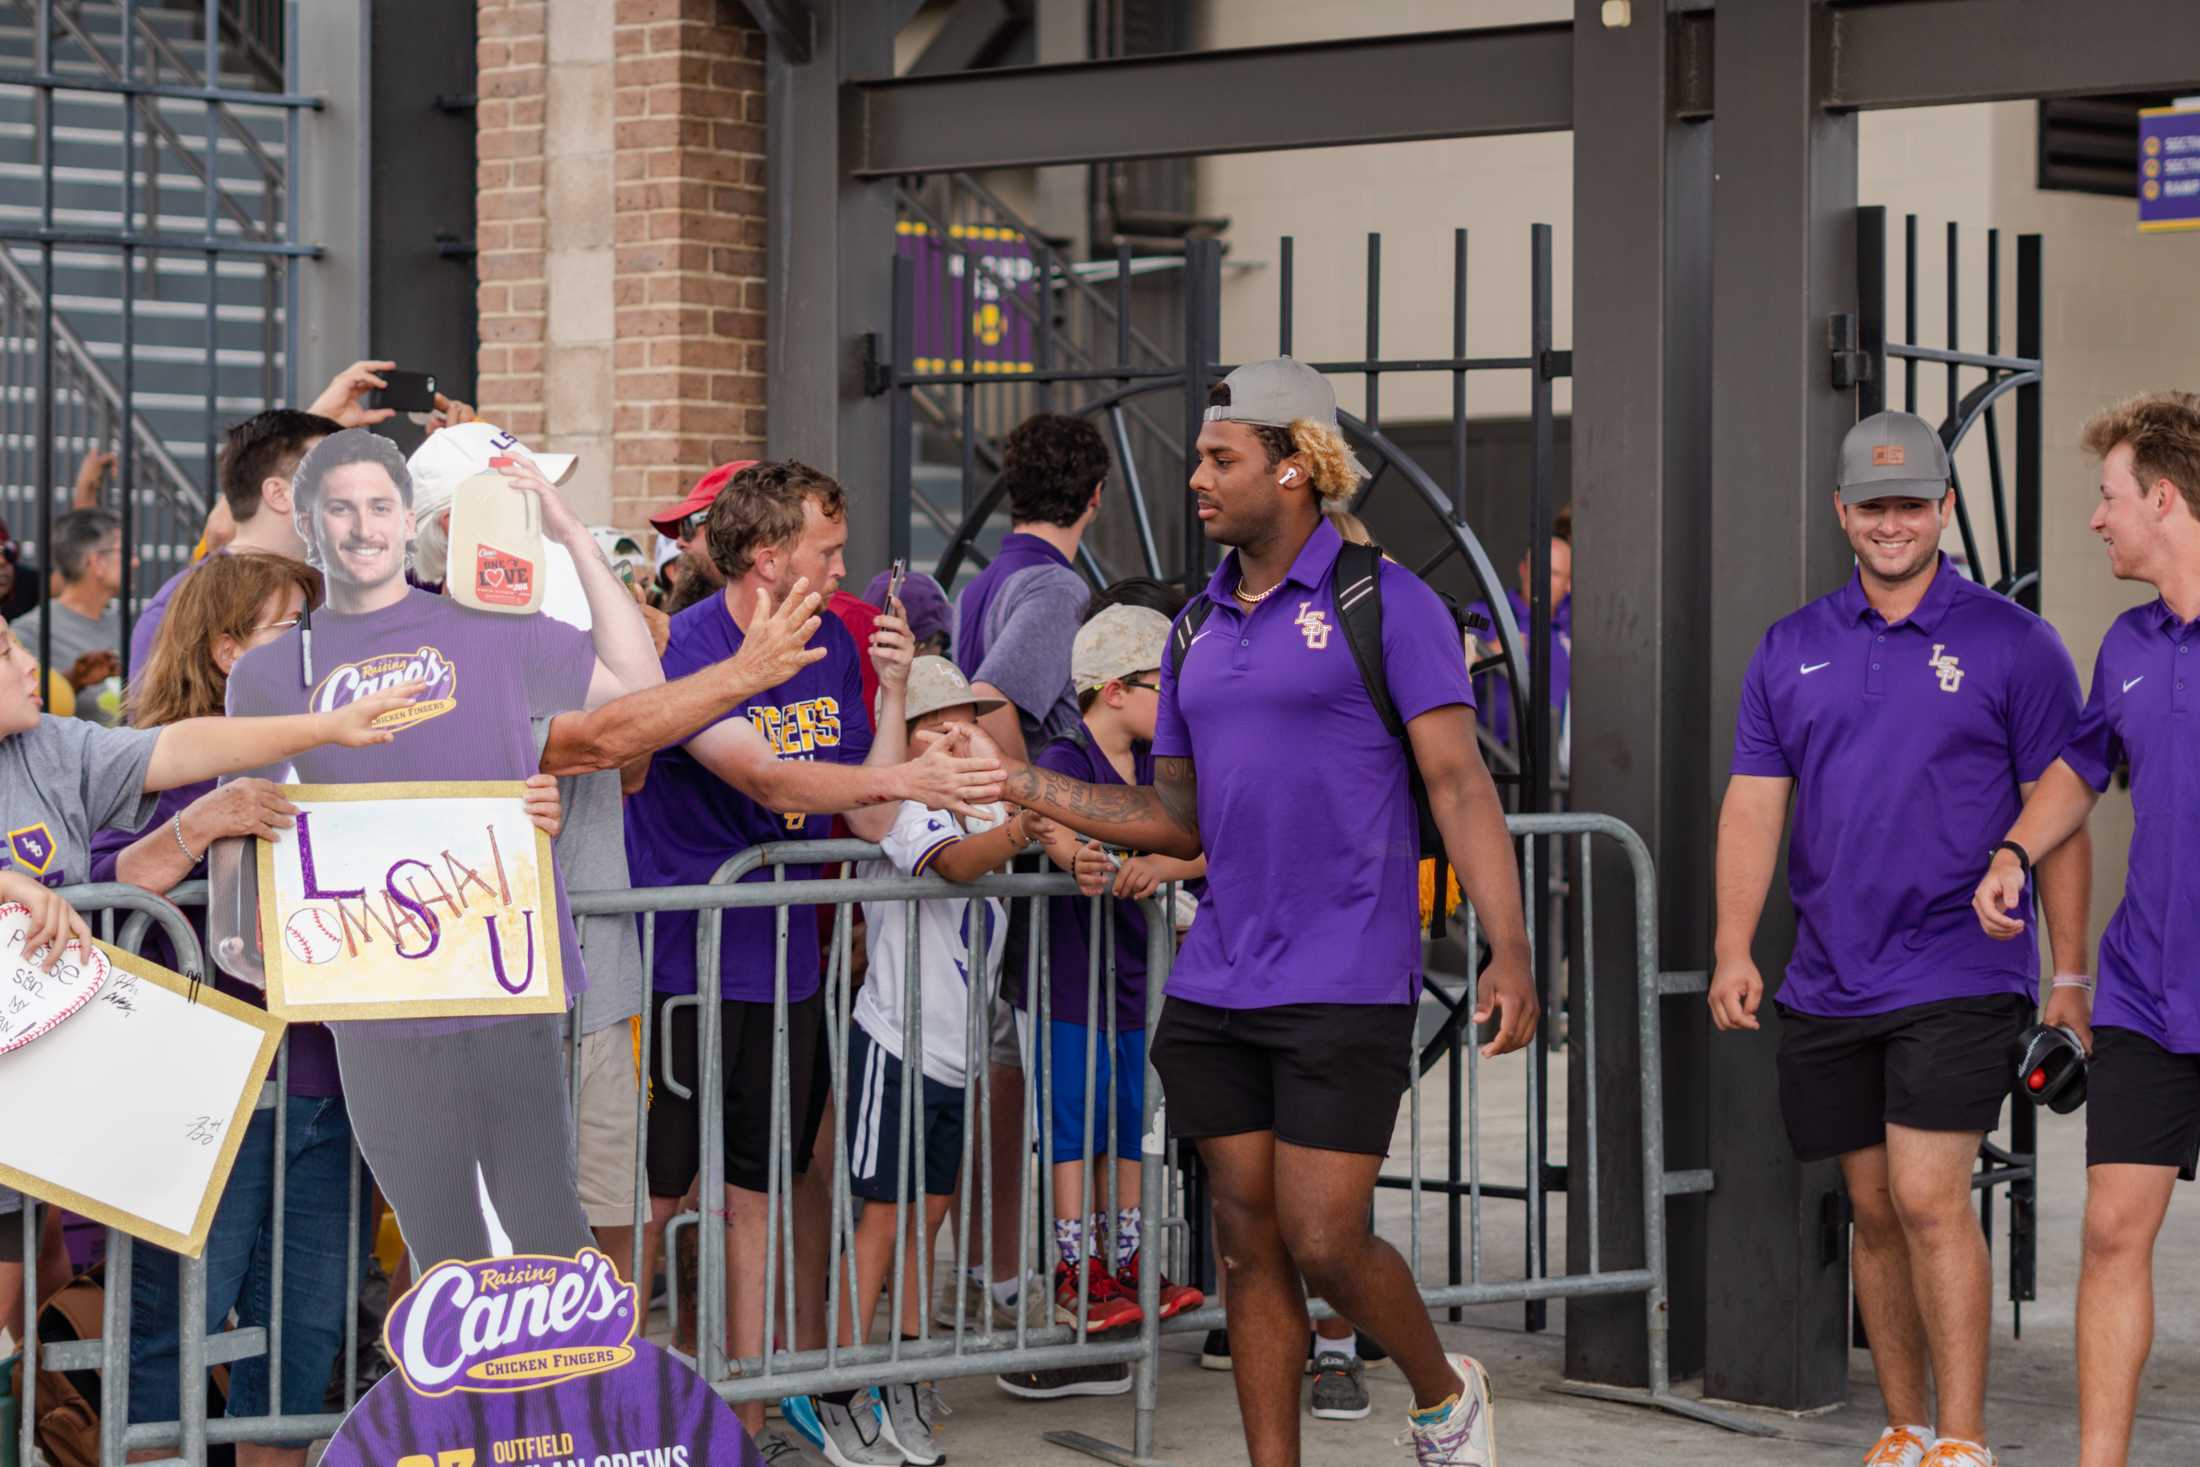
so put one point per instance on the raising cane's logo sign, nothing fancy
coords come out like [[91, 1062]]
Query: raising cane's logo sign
[[380, 673], [512, 1324]]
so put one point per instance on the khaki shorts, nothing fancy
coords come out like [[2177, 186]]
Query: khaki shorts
[[606, 1123]]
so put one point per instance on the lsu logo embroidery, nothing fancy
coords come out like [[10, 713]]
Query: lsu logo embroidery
[[32, 846], [1951, 675], [1315, 625], [386, 670]]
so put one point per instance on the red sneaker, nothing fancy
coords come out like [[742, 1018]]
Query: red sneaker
[[1175, 1298], [1107, 1306]]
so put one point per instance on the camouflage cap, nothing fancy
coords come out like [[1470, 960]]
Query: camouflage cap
[[1120, 641]]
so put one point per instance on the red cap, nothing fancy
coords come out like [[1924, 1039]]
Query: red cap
[[666, 521]]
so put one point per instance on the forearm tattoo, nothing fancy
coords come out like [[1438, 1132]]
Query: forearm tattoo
[[1171, 798]]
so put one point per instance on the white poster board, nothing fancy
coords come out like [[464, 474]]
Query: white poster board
[[131, 1111], [425, 900]]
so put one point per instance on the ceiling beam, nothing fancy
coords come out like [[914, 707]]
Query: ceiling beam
[[1931, 53]]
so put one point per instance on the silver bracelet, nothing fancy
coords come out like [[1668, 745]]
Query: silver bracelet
[[175, 828], [2065, 980]]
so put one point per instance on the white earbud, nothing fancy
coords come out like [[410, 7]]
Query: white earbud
[[1288, 476]]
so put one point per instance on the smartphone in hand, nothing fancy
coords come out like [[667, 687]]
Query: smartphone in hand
[[407, 392]]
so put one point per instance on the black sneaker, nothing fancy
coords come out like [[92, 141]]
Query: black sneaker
[[1214, 1351], [1340, 1388], [1074, 1380]]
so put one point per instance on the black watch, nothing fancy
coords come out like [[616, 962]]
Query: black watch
[[2024, 857]]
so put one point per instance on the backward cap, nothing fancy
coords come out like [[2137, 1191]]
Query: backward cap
[[1893, 455], [1120, 641], [1277, 393]]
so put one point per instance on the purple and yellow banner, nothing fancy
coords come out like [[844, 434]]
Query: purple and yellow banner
[[2169, 169], [1003, 298]]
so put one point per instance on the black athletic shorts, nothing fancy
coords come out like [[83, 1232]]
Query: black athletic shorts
[[1325, 1075], [745, 1041], [1944, 1066], [2142, 1103]]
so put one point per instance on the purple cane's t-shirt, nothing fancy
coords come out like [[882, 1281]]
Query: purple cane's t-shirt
[[312, 1048], [489, 675], [2142, 709], [687, 821], [1907, 744], [1313, 858]]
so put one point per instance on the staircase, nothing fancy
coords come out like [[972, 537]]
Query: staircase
[[207, 330]]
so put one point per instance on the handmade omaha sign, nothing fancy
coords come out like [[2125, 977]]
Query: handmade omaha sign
[[147, 1090], [533, 1361], [409, 901], [35, 999]]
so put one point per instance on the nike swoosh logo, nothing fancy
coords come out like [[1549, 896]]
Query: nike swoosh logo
[[1194, 642], [2142, 677], [1810, 668]]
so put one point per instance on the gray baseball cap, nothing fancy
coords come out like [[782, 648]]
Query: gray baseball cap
[[1893, 456], [1277, 393]]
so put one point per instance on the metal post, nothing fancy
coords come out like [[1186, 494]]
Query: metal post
[[2029, 420]]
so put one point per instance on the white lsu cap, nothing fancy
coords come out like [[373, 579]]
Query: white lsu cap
[[455, 454]]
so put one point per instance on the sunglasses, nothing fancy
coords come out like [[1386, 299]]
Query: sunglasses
[[686, 529]]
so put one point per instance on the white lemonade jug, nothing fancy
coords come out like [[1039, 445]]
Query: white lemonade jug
[[496, 556]]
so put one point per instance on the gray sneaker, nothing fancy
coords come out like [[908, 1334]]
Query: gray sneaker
[[1340, 1388], [778, 1451], [855, 1434], [907, 1423], [978, 1303], [1074, 1380]]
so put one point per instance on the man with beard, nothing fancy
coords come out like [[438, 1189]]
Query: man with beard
[[436, 1102], [1286, 1039], [694, 575], [1907, 715]]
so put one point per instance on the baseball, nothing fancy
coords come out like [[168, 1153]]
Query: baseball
[[311, 937]]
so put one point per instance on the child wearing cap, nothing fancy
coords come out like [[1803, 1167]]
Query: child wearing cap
[[919, 996], [1115, 667]]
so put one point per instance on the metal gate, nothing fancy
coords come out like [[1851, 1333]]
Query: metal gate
[[148, 240], [2013, 496], [1014, 327]]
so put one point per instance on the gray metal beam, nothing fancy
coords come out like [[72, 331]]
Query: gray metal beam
[[972, 32], [332, 177], [1776, 1305], [1642, 575], [1377, 89], [829, 270], [789, 26], [1929, 53]]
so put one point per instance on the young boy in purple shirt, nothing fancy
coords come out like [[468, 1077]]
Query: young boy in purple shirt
[[2142, 1113], [1286, 1041], [1905, 714]]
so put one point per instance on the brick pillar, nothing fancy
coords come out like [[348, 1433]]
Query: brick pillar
[[688, 366], [621, 231]]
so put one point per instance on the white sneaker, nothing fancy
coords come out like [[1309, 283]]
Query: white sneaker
[[1900, 1446], [1463, 1436], [905, 1423], [978, 1302], [854, 1434], [1954, 1452]]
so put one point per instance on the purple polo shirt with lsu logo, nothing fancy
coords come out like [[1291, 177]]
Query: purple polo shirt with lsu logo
[[1907, 744], [686, 821], [1313, 858], [488, 675], [2144, 704]]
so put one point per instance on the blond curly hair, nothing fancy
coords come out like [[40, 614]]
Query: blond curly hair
[[1335, 473]]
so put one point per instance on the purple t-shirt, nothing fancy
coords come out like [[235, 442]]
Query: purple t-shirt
[[146, 629], [489, 675], [1070, 945], [1016, 623], [1313, 857], [687, 821], [1496, 702], [2144, 696], [1907, 744], [312, 1047]]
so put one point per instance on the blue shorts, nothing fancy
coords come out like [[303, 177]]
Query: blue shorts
[[239, 1268], [1126, 1068], [874, 1117]]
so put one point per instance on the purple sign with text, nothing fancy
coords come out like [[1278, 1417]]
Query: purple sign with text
[[2169, 168], [533, 1361], [1001, 291]]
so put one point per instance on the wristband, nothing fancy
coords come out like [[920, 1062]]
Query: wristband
[[2072, 980], [175, 828], [2024, 857]]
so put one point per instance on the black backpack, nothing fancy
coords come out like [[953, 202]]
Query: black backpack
[[1356, 585]]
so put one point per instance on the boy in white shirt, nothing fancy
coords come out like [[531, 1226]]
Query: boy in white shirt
[[941, 979]]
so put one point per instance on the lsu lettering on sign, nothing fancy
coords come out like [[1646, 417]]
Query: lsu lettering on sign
[[410, 901]]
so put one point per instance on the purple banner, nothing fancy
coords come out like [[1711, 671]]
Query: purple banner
[[533, 1361], [2169, 168], [1003, 298]]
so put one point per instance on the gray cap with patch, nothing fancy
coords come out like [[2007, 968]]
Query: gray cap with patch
[[1893, 456]]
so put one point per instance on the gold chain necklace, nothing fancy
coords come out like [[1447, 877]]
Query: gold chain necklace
[[1250, 599]]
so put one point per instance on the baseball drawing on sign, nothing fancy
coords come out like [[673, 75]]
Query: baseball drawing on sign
[[34, 1000], [375, 910]]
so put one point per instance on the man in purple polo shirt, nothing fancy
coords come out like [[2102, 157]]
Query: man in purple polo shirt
[[1905, 714], [1286, 1039], [2142, 1117]]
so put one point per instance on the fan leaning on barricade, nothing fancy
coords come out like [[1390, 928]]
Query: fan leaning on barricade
[[2142, 1115], [1285, 1042], [62, 779]]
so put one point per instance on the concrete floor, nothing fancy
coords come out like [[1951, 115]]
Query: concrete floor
[[2032, 1396]]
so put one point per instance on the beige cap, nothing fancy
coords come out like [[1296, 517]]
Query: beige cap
[[936, 683], [1120, 641]]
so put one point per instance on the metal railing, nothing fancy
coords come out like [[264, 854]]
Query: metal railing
[[972, 1345]]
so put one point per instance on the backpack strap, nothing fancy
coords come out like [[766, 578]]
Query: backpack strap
[[1356, 585], [1187, 628]]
